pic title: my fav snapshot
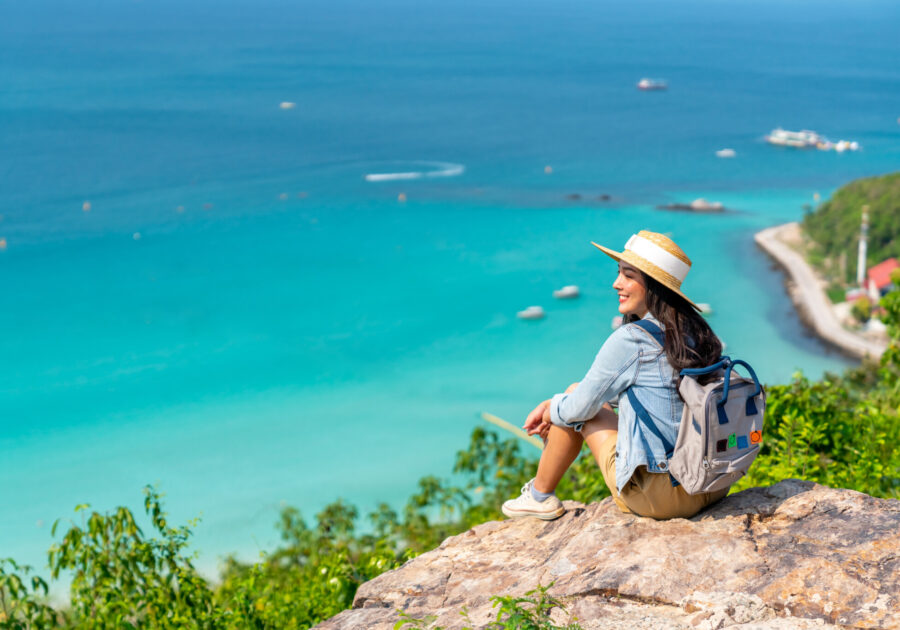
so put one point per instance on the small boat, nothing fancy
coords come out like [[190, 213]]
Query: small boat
[[287, 105], [567, 292], [697, 205], [840, 146], [532, 312], [652, 84], [705, 309], [702, 205], [725, 153]]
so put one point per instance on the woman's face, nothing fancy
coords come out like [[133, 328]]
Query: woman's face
[[632, 292]]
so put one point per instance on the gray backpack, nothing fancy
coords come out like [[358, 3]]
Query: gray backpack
[[721, 426]]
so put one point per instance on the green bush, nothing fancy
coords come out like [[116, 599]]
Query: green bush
[[531, 612], [861, 309]]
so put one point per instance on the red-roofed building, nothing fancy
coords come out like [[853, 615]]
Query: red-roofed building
[[878, 279]]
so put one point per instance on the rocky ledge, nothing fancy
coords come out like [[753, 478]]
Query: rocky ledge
[[795, 555]]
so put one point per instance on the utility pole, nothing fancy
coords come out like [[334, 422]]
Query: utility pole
[[863, 241]]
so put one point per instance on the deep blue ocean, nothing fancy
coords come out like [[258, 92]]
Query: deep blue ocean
[[201, 288]]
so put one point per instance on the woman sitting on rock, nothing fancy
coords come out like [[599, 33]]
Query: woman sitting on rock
[[631, 456]]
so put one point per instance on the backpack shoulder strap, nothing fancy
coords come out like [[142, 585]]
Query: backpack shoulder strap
[[653, 330], [641, 412]]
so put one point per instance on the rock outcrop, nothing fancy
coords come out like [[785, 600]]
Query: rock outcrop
[[795, 555]]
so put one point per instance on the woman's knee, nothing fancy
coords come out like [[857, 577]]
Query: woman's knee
[[605, 419], [601, 428], [564, 434]]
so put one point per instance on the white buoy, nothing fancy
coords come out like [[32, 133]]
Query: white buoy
[[532, 312], [567, 292]]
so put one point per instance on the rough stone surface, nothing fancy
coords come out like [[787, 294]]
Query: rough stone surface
[[795, 555]]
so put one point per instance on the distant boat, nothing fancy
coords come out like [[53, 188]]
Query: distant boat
[[702, 205], [846, 145], [697, 205], [287, 105], [804, 139], [725, 153], [705, 308], [807, 139], [567, 292], [532, 312], [652, 84]]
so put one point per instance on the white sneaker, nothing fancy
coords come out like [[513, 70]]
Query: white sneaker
[[526, 505]]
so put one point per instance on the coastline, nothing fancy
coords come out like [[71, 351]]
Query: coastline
[[809, 298]]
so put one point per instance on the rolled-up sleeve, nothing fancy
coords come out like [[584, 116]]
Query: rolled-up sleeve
[[614, 369]]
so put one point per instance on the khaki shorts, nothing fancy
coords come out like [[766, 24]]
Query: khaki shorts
[[651, 494]]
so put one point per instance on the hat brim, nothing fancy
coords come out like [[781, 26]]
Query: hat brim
[[637, 261]]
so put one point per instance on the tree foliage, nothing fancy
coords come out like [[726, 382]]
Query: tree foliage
[[835, 225]]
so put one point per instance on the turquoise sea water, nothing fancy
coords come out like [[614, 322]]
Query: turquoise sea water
[[243, 318]]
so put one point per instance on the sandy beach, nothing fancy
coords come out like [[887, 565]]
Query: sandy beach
[[808, 295]]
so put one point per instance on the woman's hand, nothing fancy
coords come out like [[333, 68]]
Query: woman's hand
[[538, 421], [544, 429], [539, 416]]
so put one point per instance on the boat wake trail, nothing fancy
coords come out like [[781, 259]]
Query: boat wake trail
[[439, 169]]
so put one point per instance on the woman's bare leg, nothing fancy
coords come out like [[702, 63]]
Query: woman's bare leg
[[561, 449], [602, 428], [564, 445]]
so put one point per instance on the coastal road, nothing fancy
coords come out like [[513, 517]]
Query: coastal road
[[810, 295]]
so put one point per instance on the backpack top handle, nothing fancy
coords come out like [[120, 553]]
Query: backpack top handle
[[728, 365]]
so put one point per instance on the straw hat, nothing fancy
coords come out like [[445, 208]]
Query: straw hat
[[657, 256]]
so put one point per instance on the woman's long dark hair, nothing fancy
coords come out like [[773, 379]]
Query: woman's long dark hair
[[690, 342]]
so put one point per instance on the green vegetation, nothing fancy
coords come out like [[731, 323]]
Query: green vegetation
[[834, 226], [861, 309], [841, 431], [531, 612]]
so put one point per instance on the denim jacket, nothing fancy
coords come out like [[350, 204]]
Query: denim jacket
[[630, 357]]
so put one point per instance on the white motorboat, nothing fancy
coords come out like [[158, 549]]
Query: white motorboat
[[532, 312], [726, 153], [567, 292], [652, 84]]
